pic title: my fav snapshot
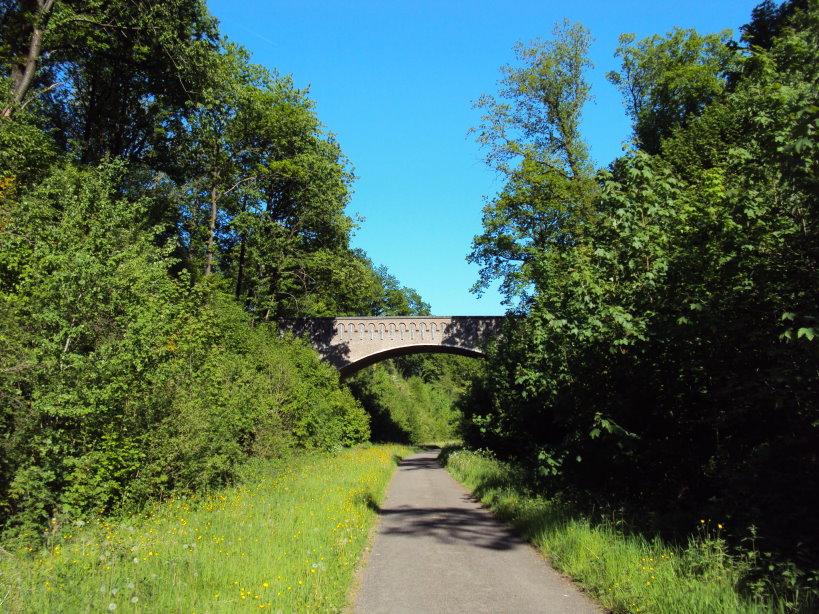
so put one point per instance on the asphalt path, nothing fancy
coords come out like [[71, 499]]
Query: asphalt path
[[437, 550]]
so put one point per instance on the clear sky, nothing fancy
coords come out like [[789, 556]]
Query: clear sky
[[395, 81]]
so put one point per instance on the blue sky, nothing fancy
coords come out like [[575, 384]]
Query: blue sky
[[395, 81]]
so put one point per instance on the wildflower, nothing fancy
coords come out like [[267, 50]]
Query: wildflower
[[112, 607]]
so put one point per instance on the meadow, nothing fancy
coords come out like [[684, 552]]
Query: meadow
[[286, 538], [626, 572]]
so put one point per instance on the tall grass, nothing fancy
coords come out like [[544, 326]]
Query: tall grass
[[626, 573], [287, 539]]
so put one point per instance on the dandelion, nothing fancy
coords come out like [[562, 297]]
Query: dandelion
[[134, 599], [112, 607]]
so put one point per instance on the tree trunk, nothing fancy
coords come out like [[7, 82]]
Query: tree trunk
[[241, 271], [22, 73], [214, 201]]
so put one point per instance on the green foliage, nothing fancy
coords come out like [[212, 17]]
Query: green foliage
[[115, 71], [288, 535], [161, 199], [120, 381], [414, 399], [667, 81], [625, 571], [667, 363], [395, 299], [532, 137]]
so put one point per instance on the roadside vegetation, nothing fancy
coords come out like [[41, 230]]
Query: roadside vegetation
[[612, 560], [162, 201], [286, 538], [414, 399], [664, 365]]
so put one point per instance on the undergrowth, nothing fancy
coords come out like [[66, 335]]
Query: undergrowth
[[628, 572], [286, 539]]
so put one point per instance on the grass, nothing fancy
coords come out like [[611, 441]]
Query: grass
[[287, 539], [625, 573]]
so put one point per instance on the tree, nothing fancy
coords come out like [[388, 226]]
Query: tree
[[767, 20], [108, 73], [26, 23], [397, 300], [667, 81], [532, 137], [671, 346]]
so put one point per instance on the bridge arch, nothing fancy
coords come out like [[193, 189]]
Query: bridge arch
[[371, 359], [352, 343]]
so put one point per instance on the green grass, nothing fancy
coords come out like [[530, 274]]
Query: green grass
[[626, 573], [287, 539]]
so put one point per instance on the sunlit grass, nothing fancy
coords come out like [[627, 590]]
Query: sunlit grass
[[288, 539], [626, 573]]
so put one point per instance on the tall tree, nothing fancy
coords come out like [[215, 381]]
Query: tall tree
[[667, 81], [109, 73], [24, 24], [672, 347], [767, 21], [532, 137]]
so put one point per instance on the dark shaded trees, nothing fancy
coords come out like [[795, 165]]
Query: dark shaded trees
[[669, 358]]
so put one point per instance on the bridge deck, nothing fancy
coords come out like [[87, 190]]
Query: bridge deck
[[350, 343]]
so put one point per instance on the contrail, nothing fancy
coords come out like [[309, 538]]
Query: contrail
[[256, 34]]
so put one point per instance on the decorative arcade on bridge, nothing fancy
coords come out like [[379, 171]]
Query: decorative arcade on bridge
[[352, 343]]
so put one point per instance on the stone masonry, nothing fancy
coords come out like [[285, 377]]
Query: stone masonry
[[351, 343]]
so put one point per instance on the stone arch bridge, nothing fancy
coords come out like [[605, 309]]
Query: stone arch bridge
[[352, 343]]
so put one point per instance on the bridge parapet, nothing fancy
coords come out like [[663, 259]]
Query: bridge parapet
[[351, 343]]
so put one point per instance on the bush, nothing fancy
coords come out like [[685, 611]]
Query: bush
[[119, 381]]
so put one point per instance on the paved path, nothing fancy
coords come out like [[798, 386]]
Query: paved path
[[437, 550]]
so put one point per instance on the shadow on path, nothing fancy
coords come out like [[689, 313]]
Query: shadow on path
[[438, 551], [447, 524], [450, 525]]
